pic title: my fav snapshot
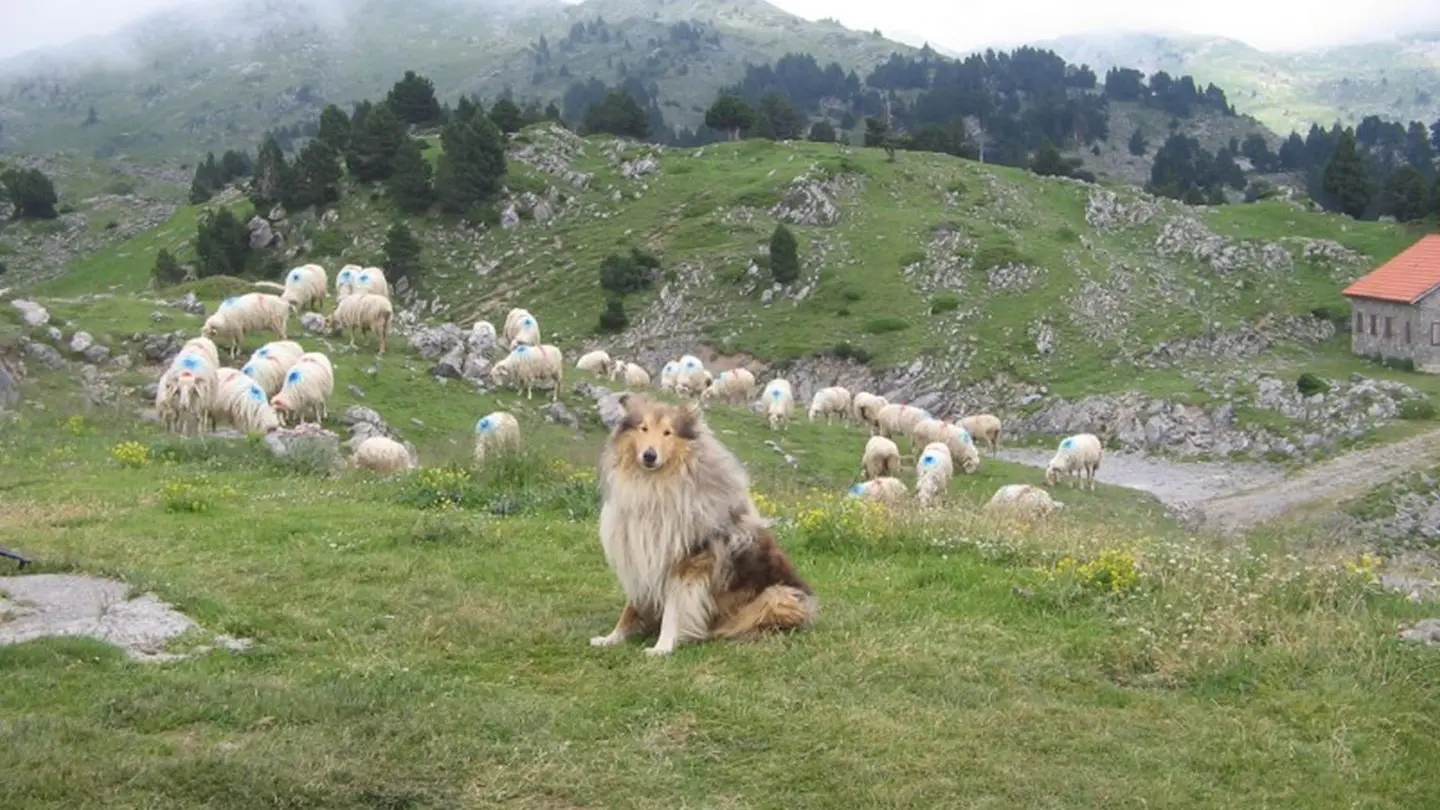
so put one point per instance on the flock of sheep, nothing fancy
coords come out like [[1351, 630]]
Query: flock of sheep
[[281, 381]]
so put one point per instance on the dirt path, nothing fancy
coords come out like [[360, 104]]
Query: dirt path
[[1235, 496]]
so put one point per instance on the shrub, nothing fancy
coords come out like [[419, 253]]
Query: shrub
[[845, 350], [1417, 409], [1112, 571], [195, 495], [944, 302], [131, 454], [913, 257], [784, 255], [613, 317], [1309, 384], [880, 326], [622, 273]]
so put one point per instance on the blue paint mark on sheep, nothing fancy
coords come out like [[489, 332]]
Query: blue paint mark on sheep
[[484, 425], [294, 276], [1067, 444], [229, 302], [248, 369], [527, 322], [690, 364], [775, 393], [364, 278], [857, 489], [928, 461], [345, 276], [293, 377], [522, 348], [255, 393], [263, 351], [190, 362]]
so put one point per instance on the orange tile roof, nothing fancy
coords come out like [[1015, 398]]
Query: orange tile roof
[[1404, 279]]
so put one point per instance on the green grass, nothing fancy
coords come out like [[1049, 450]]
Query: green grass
[[436, 658]]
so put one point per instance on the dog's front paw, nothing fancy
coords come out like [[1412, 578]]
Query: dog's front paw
[[658, 650], [605, 641]]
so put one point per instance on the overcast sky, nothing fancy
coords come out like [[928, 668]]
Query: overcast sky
[[1267, 24]]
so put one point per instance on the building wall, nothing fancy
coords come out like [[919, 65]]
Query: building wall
[[1401, 331]]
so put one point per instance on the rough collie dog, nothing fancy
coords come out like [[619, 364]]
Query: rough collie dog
[[692, 554]]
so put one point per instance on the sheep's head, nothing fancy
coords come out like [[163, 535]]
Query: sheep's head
[[500, 372], [1052, 474], [970, 464]]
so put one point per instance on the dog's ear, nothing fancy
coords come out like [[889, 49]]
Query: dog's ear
[[688, 420]]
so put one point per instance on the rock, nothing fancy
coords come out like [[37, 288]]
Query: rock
[[47, 355], [433, 342], [1426, 631], [55, 335], [807, 202], [80, 342], [482, 338], [312, 322], [158, 349], [355, 391], [97, 354], [9, 389], [312, 443], [509, 218], [32, 313], [560, 414], [476, 369], [262, 235], [149, 390], [542, 212], [452, 365], [638, 167], [190, 304]]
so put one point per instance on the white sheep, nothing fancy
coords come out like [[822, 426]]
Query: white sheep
[[779, 402], [381, 454], [269, 364], [307, 389], [527, 365], [830, 401], [985, 428], [897, 419], [933, 471], [241, 402], [1024, 499], [882, 458], [372, 280], [362, 312], [288, 352], [669, 374], [865, 407], [962, 446], [734, 385], [205, 346], [185, 391], [521, 327], [496, 432], [345, 280], [251, 312], [304, 288], [596, 362], [1079, 454], [690, 380], [883, 489], [633, 375]]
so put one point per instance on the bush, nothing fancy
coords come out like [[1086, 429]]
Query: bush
[[944, 302], [845, 350], [1417, 409], [167, 271], [784, 255], [195, 495], [1309, 384], [913, 257], [880, 326], [613, 317], [621, 274]]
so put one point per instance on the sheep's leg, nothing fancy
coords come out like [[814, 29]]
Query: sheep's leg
[[382, 339]]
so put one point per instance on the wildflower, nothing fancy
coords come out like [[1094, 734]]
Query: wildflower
[[131, 454]]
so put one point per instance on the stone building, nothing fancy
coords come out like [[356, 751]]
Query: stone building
[[1395, 309]]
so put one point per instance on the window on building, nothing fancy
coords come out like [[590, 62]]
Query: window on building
[[1435, 334], [1407, 333], [1359, 324], [1372, 325], [1389, 327]]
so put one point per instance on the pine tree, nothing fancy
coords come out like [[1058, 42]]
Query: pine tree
[[334, 129], [31, 192], [619, 114], [613, 317], [472, 167], [204, 183], [465, 109], [410, 185], [413, 101], [822, 131], [270, 182], [91, 119], [777, 118], [402, 252], [317, 176], [375, 137], [222, 244], [234, 165], [1346, 180], [507, 116], [1048, 161], [167, 271], [1137, 143], [1406, 197], [784, 255], [731, 115]]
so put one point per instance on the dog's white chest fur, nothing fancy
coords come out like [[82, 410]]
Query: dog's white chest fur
[[644, 530]]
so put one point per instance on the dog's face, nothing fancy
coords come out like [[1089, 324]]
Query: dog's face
[[655, 436]]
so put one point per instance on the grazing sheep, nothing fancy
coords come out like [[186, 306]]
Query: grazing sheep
[[381, 454], [896, 419], [962, 446], [495, 433], [632, 374], [242, 403], [881, 459], [735, 385], [830, 401], [596, 362], [251, 312], [690, 380], [225, 374], [268, 365], [1023, 499], [985, 428], [205, 346], [372, 280], [528, 364], [288, 352], [883, 489], [669, 374], [363, 312], [866, 408], [933, 472], [304, 287], [307, 389], [779, 402], [521, 328], [1078, 454], [345, 280], [185, 391]]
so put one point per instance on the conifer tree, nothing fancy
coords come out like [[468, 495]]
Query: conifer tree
[[472, 166], [410, 185], [784, 255]]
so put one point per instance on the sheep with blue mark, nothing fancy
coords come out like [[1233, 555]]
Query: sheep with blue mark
[[779, 401], [526, 365], [881, 458], [962, 446], [496, 432], [371, 280], [304, 288], [251, 312], [985, 428], [184, 393], [521, 328], [732, 385], [1022, 500], [362, 313], [241, 402], [692, 379], [345, 280], [382, 454], [1077, 455], [307, 389], [669, 374], [884, 489], [269, 364], [933, 471], [829, 402], [865, 407], [899, 419], [204, 346]]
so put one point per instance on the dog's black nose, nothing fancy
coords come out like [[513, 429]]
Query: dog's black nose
[[649, 456]]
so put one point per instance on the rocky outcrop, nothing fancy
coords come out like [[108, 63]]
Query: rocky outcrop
[[810, 200], [457, 353]]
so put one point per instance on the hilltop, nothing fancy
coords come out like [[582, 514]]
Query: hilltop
[[1285, 91]]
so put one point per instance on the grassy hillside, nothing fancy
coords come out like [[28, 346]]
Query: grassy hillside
[[420, 641], [1286, 91]]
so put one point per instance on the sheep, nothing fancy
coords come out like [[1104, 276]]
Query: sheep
[[882, 458], [372, 280], [933, 471], [496, 432], [381, 454], [634, 375], [361, 312], [268, 365], [596, 362], [251, 312], [779, 402], [288, 352], [830, 401], [248, 410], [304, 287], [206, 347], [1025, 499], [345, 281], [529, 364], [307, 388], [896, 419], [1080, 454], [225, 374], [735, 385], [883, 489], [185, 391], [690, 380], [962, 446], [866, 409], [669, 374], [521, 327], [984, 427]]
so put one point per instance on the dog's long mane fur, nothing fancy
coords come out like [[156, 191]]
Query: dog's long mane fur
[[689, 522]]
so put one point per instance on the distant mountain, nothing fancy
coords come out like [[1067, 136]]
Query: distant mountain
[[1398, 80]]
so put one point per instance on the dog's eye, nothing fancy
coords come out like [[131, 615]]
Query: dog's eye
[[644, 429], [667, 433]]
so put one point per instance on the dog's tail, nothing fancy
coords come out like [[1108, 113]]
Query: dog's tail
[[778, 607]]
